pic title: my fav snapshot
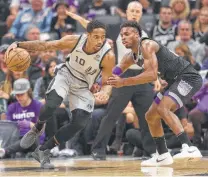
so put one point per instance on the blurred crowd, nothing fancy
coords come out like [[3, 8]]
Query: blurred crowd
[[181, 25]]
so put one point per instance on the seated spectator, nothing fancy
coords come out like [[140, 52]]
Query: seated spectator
[[3, 67], [7, 85], [201, 24], [199, 115], [36, 15], [128, 117], [32, 33], [42, 83], [185, 37], [195, 11], [61, 21], [73, 4], [165, 31], [184, 51], [3, 72], [25, 113], [15, 7], [95, 8], [181, 10]]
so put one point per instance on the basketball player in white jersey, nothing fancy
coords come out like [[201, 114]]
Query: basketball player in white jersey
[[140, 95], [90, 54]]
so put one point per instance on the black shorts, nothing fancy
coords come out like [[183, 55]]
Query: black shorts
[[183, 87]]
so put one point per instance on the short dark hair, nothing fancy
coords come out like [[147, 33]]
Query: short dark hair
[[165, 7], [95, 24], [132, 24]]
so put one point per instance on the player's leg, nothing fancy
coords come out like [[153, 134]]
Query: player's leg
[[57, 90], [179, 93], [81, 104], [79, 121], [162, 157]]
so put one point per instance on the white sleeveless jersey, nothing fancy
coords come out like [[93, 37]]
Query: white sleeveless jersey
[[122, 50], [83, 66]]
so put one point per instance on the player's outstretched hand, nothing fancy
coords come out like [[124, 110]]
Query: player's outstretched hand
[[115, 81], [72, 15], [11, 47]]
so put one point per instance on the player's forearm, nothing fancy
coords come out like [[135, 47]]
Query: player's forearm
[[142, 78], [83, 22], [35, 46]]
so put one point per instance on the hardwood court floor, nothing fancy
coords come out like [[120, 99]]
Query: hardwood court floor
[[114, 166]]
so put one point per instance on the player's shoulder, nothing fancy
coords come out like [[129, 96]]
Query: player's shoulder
[[149, 44], [110, 54]]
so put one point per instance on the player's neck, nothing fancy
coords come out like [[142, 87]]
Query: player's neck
[[135, 49], [88, 48]]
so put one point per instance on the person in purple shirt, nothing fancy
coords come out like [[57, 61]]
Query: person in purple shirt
[[25, 113], [199, 115]]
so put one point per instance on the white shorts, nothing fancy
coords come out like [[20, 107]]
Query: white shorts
[[65, 84]]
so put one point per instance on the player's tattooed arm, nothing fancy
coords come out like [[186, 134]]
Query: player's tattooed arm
[[67, 42]]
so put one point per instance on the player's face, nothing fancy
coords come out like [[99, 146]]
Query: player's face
[[134, 12], [96, 38], [129, 37]]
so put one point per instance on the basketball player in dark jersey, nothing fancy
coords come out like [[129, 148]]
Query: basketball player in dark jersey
[[183, 82]]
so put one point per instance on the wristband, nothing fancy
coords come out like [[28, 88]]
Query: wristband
[[117, 70]]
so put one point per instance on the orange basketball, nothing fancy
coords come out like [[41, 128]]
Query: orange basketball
[[18, 60]]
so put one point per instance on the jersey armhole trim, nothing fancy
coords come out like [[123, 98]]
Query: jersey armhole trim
[[76, 43], [103, 58]]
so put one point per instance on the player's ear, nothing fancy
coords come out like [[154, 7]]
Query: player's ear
[[88, 34]]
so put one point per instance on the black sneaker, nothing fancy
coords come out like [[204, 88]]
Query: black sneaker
[[30, 137], [98, 156], [43, 157]]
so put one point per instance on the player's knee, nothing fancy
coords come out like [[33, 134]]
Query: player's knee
[[53, 100], [81, 118], [148, 116], [162, 111]]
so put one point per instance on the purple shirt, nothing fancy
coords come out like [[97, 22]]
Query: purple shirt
[[202, 96], [29, 113]]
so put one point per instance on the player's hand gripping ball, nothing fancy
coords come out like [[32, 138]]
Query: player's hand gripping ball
[[17, 59]]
